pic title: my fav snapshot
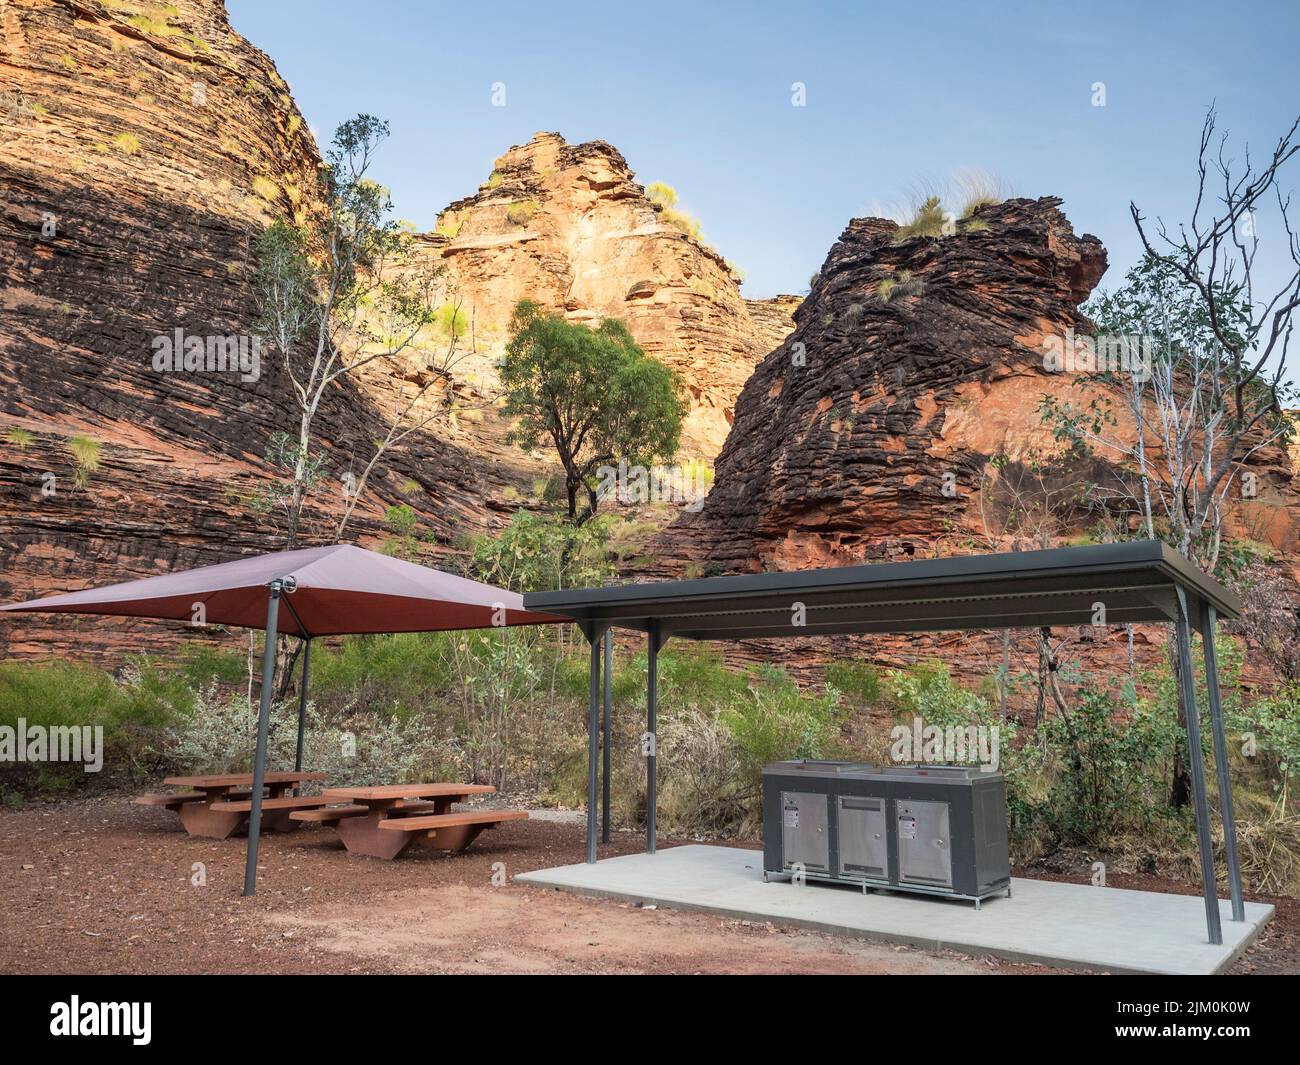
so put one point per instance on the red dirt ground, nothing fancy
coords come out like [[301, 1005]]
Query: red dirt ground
[[101, 886]]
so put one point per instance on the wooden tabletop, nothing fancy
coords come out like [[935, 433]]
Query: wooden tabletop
[[226, 780], [387, 792]]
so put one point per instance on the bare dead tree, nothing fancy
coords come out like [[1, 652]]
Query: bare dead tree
[[338, 293], [1271, 620], [1197, 353], [1202, 358]]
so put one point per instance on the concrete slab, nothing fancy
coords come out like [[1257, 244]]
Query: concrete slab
[[1071, 925]]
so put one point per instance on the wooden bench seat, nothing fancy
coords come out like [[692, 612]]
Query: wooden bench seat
[[328, 814], [286, 802], [433, 822], [449, 832], [171, 802]]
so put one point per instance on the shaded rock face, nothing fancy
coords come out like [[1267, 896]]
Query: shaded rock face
[[864, 436], [569, 227], [142, 154]]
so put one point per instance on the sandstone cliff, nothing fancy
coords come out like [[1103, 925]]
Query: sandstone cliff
[[146, 145], [567, 225], [871, 432], [895, 419]]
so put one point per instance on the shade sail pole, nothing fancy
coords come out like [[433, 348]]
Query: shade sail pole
[[651, 711], [1221, 763], [593, 728], [263, 729], [1196, 762], [605, 735], [302, 702]]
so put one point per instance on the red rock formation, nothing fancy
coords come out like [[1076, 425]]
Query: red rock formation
[[142, 151], [567, 226], [146, 145], [868, 434], [910, 359]]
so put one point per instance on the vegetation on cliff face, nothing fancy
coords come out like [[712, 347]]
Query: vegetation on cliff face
[[664, 197]]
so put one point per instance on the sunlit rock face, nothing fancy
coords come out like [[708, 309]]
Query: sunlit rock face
[[567, 225]]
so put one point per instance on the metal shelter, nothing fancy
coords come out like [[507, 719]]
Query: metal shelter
[[1109, 584]]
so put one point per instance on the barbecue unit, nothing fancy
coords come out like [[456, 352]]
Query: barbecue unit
[[936, 830]]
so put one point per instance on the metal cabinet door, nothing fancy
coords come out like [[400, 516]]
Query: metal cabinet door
[[924, 850], [863, 838], [804, 836]]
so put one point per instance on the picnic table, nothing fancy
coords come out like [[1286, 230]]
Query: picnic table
[[382, 821], [218, 805]]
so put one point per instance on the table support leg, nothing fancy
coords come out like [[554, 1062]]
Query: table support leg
[[362, 835]]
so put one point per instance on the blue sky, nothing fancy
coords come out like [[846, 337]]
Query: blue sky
[[699, 95]]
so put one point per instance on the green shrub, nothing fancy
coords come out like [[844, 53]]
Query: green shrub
[[402, 519], [899, 286], [859, 681], [974, 189], [133, 712], [702, 287], [451, 321], [521, 212], [127, 143], [401, 673], [351, 750], [537, 553], [664, 197], [1100, 765], [775, 720], [1273, 724], [928, 221], [928, 691], [86, 452], [265, 188], [153, 24], [204, 664]]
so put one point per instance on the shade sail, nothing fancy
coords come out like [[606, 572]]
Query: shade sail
[[336, 590]]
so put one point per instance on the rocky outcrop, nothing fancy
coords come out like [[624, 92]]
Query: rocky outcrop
[[899, 419], [145, 145], [568, 226], [891, 422], [866, 433]]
